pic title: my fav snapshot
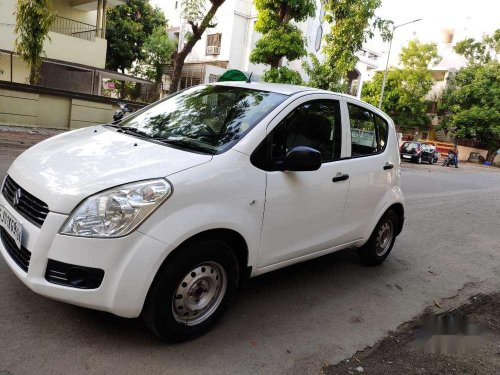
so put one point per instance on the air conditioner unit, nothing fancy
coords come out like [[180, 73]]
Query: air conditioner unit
[[213, 50]]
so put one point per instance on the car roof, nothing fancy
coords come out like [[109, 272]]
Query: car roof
[[280, 88]]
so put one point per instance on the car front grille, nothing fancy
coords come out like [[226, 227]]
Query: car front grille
[[21, 256], [30, 207]]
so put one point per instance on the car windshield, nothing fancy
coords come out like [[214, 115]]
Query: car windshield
[[409, 146], [204, 118]]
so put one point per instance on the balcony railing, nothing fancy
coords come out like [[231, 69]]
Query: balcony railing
[[77, 29]]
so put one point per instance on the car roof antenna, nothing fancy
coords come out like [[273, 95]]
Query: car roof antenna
[[249, 78]]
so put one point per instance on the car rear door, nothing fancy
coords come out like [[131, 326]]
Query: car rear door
[[371, 164], [303, 210]]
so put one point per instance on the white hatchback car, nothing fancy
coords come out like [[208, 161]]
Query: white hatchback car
[[163, 214]]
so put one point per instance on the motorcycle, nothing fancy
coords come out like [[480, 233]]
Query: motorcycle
[[449, 161], [119, 114]]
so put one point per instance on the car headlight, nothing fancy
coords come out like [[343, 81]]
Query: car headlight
[[117, 211]]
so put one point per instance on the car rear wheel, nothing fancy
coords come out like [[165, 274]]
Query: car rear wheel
[[381, 241], [419, 160], [431, 161], [192, 291]]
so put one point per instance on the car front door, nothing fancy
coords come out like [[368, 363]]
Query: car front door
[[303, 210]]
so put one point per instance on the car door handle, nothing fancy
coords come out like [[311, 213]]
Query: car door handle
[[388, 166], [340, 177]]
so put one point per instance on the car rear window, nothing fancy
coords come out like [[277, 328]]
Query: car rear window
[[410, 146]]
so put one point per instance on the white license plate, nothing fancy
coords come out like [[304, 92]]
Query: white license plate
[[406, 156], [11, 225]]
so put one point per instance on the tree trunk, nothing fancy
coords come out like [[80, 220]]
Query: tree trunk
[[177, 71], [188, 47], [32, 77], [275, 62]]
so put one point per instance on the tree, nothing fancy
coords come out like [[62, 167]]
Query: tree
[[281, 38], [470, 104], [158, 51], [283, 75], [128, 27], [353, 22], [407, 88], [196, 15], [33, 20], [480, 52]]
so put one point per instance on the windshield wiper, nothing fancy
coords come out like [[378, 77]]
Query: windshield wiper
[[130, 131], [183, 143]]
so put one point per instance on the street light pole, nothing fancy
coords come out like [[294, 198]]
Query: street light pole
[[388, 56]]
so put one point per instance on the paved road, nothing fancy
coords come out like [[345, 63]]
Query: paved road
[[291, 321]]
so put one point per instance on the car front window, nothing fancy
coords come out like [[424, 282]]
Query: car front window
[[204, 118]]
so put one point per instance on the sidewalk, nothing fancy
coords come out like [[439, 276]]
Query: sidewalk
[[24, 136]]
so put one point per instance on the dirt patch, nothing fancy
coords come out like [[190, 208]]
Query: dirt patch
[[463, 340]]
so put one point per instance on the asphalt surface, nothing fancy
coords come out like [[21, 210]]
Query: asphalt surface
[[292, 321]]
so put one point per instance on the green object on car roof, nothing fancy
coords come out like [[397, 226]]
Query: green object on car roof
[[233, 75]]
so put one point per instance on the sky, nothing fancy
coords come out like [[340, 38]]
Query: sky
[[470, 18]]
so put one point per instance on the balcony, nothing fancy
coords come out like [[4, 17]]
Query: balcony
[[77, 29]]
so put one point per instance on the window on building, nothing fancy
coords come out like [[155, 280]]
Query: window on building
[[213, 44], [176, 4]]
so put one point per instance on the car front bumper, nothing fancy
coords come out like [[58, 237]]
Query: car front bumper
[[129, 264]]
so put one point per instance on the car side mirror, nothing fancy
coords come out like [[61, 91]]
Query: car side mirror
[[302, 158]]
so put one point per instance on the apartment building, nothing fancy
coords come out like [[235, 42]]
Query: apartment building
[[74, 89], [78, 34], [228, 45]]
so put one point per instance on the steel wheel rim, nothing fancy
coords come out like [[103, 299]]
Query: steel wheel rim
[[199, 293], [384, 237]]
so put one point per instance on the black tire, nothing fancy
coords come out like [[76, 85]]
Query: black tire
[[431, 161], [370, 254], [419, 160], [158, 313]]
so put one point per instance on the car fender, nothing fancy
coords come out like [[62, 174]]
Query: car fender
[[391, 197]]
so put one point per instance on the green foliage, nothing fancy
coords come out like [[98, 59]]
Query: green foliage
[[158, 51], [418, 55], [33, 20], [128, 27], [407, 87], [480, 52], [193, 10], [281, 37], [470, 104], [322, 75], [287, 41], [353, 22], [282, 75], [352, 27]]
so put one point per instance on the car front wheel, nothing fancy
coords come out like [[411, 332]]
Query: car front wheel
[[381, 241], [192, 291]]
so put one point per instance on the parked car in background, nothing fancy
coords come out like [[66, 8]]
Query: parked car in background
[[434, 151], [418, 152], [162, 214]]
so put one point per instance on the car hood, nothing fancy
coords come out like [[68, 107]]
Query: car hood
[[64, 170]]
